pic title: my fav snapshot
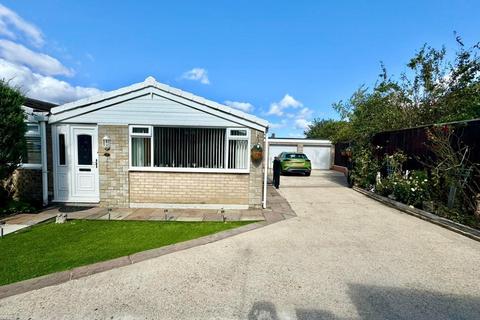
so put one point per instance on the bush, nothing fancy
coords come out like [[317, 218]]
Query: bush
[[413, 189], [16, 206], [384, 187], [365, 167], [12, 130]]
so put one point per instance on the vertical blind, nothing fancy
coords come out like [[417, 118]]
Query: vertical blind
[[189, 147], [237, 154], [171, 147], [34, 145]]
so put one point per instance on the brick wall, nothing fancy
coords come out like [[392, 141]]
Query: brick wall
[[189, 188], [27, 185], [255, 191], [118, 188], [113, 169]]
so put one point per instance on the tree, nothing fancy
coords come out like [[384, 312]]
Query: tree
[[330, 129], [435, 90], [12, 130]]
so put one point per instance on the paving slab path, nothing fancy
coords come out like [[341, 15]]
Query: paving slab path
[[344, 256]]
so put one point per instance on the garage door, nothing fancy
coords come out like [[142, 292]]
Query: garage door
[[318, 155], [275, 150]]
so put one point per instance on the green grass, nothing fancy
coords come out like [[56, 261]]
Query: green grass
[[50, 247]]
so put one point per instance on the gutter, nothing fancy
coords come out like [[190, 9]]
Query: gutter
[[43, 142], [265, 171]]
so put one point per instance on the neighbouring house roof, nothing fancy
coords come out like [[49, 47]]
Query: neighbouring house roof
[[38, 105], [151, 86], [36, 110]]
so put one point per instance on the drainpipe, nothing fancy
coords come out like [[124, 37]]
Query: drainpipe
[[265, 171], [43, 140]]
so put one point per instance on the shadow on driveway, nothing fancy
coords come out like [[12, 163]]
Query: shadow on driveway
[[375, 302]]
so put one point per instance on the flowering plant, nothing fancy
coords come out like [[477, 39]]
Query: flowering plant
[[412, 188]]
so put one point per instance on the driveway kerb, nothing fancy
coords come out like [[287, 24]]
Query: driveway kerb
[[84, 271], [424, 215]]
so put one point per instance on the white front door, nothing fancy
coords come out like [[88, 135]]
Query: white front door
[[85, 186]]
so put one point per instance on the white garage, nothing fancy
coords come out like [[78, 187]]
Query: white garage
[[318, 151]]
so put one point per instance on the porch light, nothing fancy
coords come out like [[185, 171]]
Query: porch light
[[107, 142]]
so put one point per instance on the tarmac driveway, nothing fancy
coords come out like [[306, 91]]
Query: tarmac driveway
[[344, 257]]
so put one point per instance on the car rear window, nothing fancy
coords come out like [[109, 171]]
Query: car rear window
[[295, 156]]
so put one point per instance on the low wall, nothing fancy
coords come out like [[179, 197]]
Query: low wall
[[188, 188]]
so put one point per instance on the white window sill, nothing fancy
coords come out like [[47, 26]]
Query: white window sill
[[192, 170], [33, 166]]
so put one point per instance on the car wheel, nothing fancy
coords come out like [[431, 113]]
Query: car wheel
[[307, 174]]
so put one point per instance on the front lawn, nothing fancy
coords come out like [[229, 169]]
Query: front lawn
[[51, 247]]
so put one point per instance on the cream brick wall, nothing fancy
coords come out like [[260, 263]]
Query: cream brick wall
[[255, 190], [113, 169], [26, 185], [189, 188], [119, 188]]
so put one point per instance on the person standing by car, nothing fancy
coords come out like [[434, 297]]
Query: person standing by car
[[276, 172]]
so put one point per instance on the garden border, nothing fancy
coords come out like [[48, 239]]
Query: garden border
[[424, 215]]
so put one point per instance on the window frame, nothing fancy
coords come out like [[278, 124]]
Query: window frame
[[132, 135], [141, 134], [58, 148], [33, 134], [150, 135], [230, 137]]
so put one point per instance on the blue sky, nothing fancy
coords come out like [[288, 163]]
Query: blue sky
[[286, 61]]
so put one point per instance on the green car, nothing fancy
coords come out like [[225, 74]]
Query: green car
[[292, 162]]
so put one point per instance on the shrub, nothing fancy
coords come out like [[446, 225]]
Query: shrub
[[12, 130], [412, 189], [455, 179], [365, 167], [15, 206], [384, 187]]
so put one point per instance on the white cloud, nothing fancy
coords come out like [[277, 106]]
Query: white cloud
[[304, 113], [294, 114], [39, 62], [33, 71], [244, 106], [277, 108], [301, 124], [197, 74], [278, 125], [42, 87], [11, 24]]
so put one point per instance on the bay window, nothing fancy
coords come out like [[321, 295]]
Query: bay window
[[189, 149]]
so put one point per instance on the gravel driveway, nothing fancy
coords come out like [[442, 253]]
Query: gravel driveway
[[344, 257]]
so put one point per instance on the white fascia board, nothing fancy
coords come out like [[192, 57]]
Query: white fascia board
[[66, 114], [274, 141], [104, 100], [211, 104], [97, 98], [210, 110]]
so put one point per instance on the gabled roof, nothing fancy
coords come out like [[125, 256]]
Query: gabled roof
[[150, 85]]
